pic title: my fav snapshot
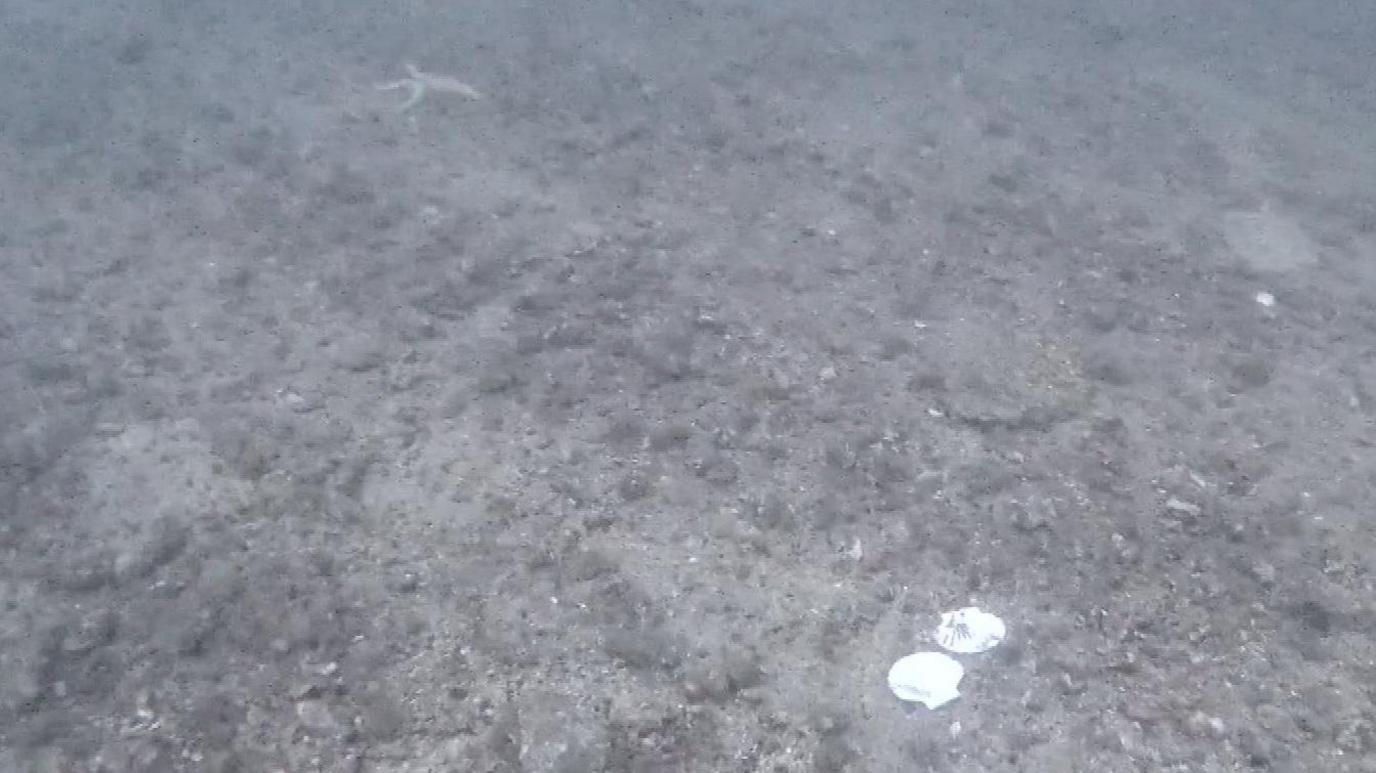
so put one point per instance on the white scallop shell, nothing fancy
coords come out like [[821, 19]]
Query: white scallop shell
[[930, 678], [970, 630]]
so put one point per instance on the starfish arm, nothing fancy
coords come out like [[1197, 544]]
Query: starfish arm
[[417, 94], [452, 86], [442, 83]]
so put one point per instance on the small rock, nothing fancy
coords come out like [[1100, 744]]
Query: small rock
[[743, 667], [1126, 550], [1355, 735], [381, 715], [586, 232], [1202, 725], [358, 353], [705, 682], [303, 401], [1031, 516], [163, 541], [302, 691], [21, 680], [559, 733], [1069, 685], [407, 582], [1258, 750], [1179, 506], [93, 630], [316, 715]]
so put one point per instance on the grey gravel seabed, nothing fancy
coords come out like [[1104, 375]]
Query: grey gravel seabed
[[638, 415]]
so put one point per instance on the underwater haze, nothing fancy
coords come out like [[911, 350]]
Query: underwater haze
[[552, 387]]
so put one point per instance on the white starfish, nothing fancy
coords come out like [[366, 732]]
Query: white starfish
[[422, 83]]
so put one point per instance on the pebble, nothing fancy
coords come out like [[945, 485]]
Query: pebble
[[1203, 725], [91, 631], [316, 715], [357, 353], [303, 402], [1181, 507], [407, 582], [705, 682]]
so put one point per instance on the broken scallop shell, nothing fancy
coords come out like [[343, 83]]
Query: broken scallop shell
[[970, 630], [929, 678]]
